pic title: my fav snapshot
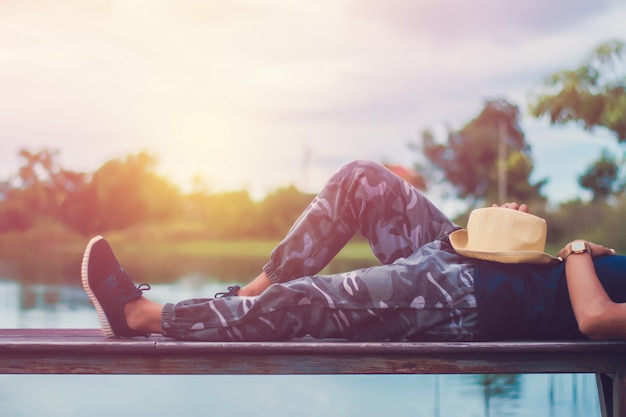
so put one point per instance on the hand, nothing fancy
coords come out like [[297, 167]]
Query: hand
[[514, 206], [596, 250], [599, 250]]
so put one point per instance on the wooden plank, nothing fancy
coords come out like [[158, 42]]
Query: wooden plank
[[92, 339], [87, 351], [246, 364]]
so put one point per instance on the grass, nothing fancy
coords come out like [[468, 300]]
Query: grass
[[15, 244], [231, 248]]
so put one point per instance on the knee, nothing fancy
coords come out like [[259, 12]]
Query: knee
[[363, 173], [359, 168], [363, 164]]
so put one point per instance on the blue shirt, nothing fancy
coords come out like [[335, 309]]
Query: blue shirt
[[531, 302]]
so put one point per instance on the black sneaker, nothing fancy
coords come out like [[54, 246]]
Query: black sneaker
[[109, 287]]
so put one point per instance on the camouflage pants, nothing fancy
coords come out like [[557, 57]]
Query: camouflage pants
[[422, 291]]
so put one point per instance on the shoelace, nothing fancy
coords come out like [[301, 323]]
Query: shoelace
[[232, 291], [120, 279]]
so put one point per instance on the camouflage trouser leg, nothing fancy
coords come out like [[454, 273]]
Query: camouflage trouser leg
[[423, 290], [365, 197]]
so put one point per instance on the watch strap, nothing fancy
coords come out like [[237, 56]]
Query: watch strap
[[570, 250]]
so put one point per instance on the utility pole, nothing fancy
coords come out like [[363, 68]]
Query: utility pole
[[502, 180]]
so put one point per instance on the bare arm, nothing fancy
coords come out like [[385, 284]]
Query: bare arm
[[597, 315]]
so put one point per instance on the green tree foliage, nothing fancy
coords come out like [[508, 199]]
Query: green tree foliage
[[469, 159], [234, 215], [602, 178], [119, 194], [42, 193], [231, 214], [124, 192], [593, 94], [37, 191], [281, 208], [127, 193], [593, 221]]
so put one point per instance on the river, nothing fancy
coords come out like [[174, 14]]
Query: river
[[66, 306]]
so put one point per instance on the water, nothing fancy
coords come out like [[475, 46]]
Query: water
[[66, 306]]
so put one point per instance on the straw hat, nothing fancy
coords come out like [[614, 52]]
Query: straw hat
[[503, 235]]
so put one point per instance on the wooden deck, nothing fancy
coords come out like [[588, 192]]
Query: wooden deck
[[86, 351]]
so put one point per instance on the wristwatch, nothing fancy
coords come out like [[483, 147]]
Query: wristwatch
[[577, 246]]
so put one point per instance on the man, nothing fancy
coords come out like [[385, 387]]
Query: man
[[436, 281]]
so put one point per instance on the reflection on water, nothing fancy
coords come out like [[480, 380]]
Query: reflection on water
[[58, 301], [498, 390]]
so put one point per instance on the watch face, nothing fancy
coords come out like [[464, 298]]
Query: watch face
[[578, 246]]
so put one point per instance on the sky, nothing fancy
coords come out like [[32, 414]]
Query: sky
[[260, 94]]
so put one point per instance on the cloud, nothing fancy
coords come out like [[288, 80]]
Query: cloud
[[453, 20]]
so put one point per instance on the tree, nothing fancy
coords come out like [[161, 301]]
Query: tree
[[602, 178], [593, 94], [231, 214], [470, 159], [280, 209], [37, 191], [122, 193]]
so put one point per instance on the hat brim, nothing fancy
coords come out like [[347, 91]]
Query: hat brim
[[458, 240]]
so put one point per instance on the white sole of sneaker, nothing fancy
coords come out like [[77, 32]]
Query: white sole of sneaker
[[84, 272]]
